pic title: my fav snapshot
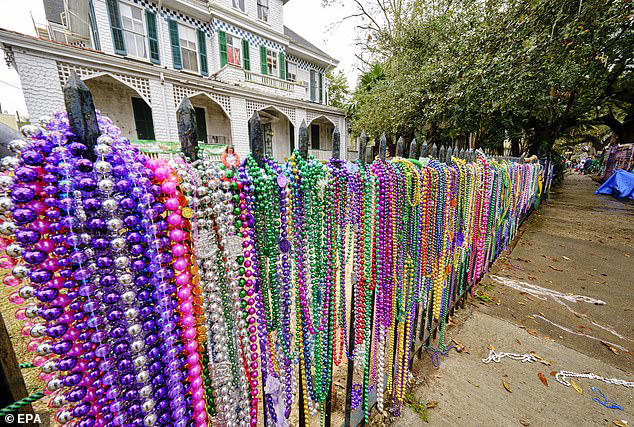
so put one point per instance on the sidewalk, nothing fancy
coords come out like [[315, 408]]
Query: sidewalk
[[566, 292]]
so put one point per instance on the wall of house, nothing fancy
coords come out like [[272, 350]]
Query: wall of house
[[114, 100], [276, 23], [40, 84], [217, 122], [281, 138], [103, 26], [276, 12]]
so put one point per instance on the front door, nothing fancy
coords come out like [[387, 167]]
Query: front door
[[143, 119], [201, 124]]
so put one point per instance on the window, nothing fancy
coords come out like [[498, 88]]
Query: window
[[133, 30], [313, 85], [291, 72], [239, 4], [271, 63], [189, 52], [263, 10], [314, 137], [233, 50], [142, 119]]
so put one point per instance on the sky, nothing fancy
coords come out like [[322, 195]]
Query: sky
[[306, 17]]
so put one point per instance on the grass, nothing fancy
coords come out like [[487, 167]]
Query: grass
[[417, 406]]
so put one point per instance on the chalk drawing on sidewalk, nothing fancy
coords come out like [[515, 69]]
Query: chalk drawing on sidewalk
[[570, 331], [559, 297]]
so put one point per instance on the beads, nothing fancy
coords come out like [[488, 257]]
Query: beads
[[160, 292]]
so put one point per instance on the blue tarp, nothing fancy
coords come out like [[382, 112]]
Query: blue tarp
[[620, 185]]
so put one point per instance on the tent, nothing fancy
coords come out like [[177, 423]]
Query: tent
[[619, 185]]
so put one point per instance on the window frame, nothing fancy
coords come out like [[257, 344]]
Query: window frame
[[239, 2], [232, 46], [195, 50], [272, 56], [263, 10], [290, 64], [123, 8]]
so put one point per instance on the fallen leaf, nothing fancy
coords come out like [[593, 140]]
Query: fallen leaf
[[532, 278], [490, 347], [565, 257], [576, 386], [532, 331], [553, 373], [432, 404], [473, 384], [459, 347], [543, 379], [555, 268], [627, 255], [524, 422], [612, 349], [507, 386], [518, 341], [620, 423], [521, 303], [530, 299], [541, 314]]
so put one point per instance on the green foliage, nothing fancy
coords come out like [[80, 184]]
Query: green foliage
[[501, 69], [417, 406], [338, 89]]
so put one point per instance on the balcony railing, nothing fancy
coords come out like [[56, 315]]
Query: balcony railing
[[269, 81]]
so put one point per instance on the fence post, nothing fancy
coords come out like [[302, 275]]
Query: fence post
[[442, 153], [336, 143], [11, 380], [400, 147], [449, 154], [424, 149], [256, 138], [303, 139], [434, 151], [413, 149], [82, 116], [382, 147], [187, 132], [461, 155], [363, 144]]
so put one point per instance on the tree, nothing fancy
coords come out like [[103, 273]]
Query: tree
[[504, 68], [338, 90]]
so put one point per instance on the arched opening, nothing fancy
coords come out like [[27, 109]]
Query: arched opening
[[124, 105], [320, 131], [279, 133], [214, 124]]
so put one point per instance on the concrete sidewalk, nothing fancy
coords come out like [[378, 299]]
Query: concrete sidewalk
[[566, 292]]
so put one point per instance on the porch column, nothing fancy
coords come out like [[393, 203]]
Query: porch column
[[239, 126], [163, 111]]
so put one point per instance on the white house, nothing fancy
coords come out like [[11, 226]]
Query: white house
[[140, 58]]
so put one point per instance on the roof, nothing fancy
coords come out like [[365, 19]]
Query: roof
[[299, 40], [53, 10]]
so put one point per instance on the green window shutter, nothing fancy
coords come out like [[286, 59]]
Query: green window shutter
[[263, 66], [202, 52], [115, 25], [282, 66], [93, 26], [152, 36], [321, 88], [177, 60], [313, 85], [246, 58], [222, 42]]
